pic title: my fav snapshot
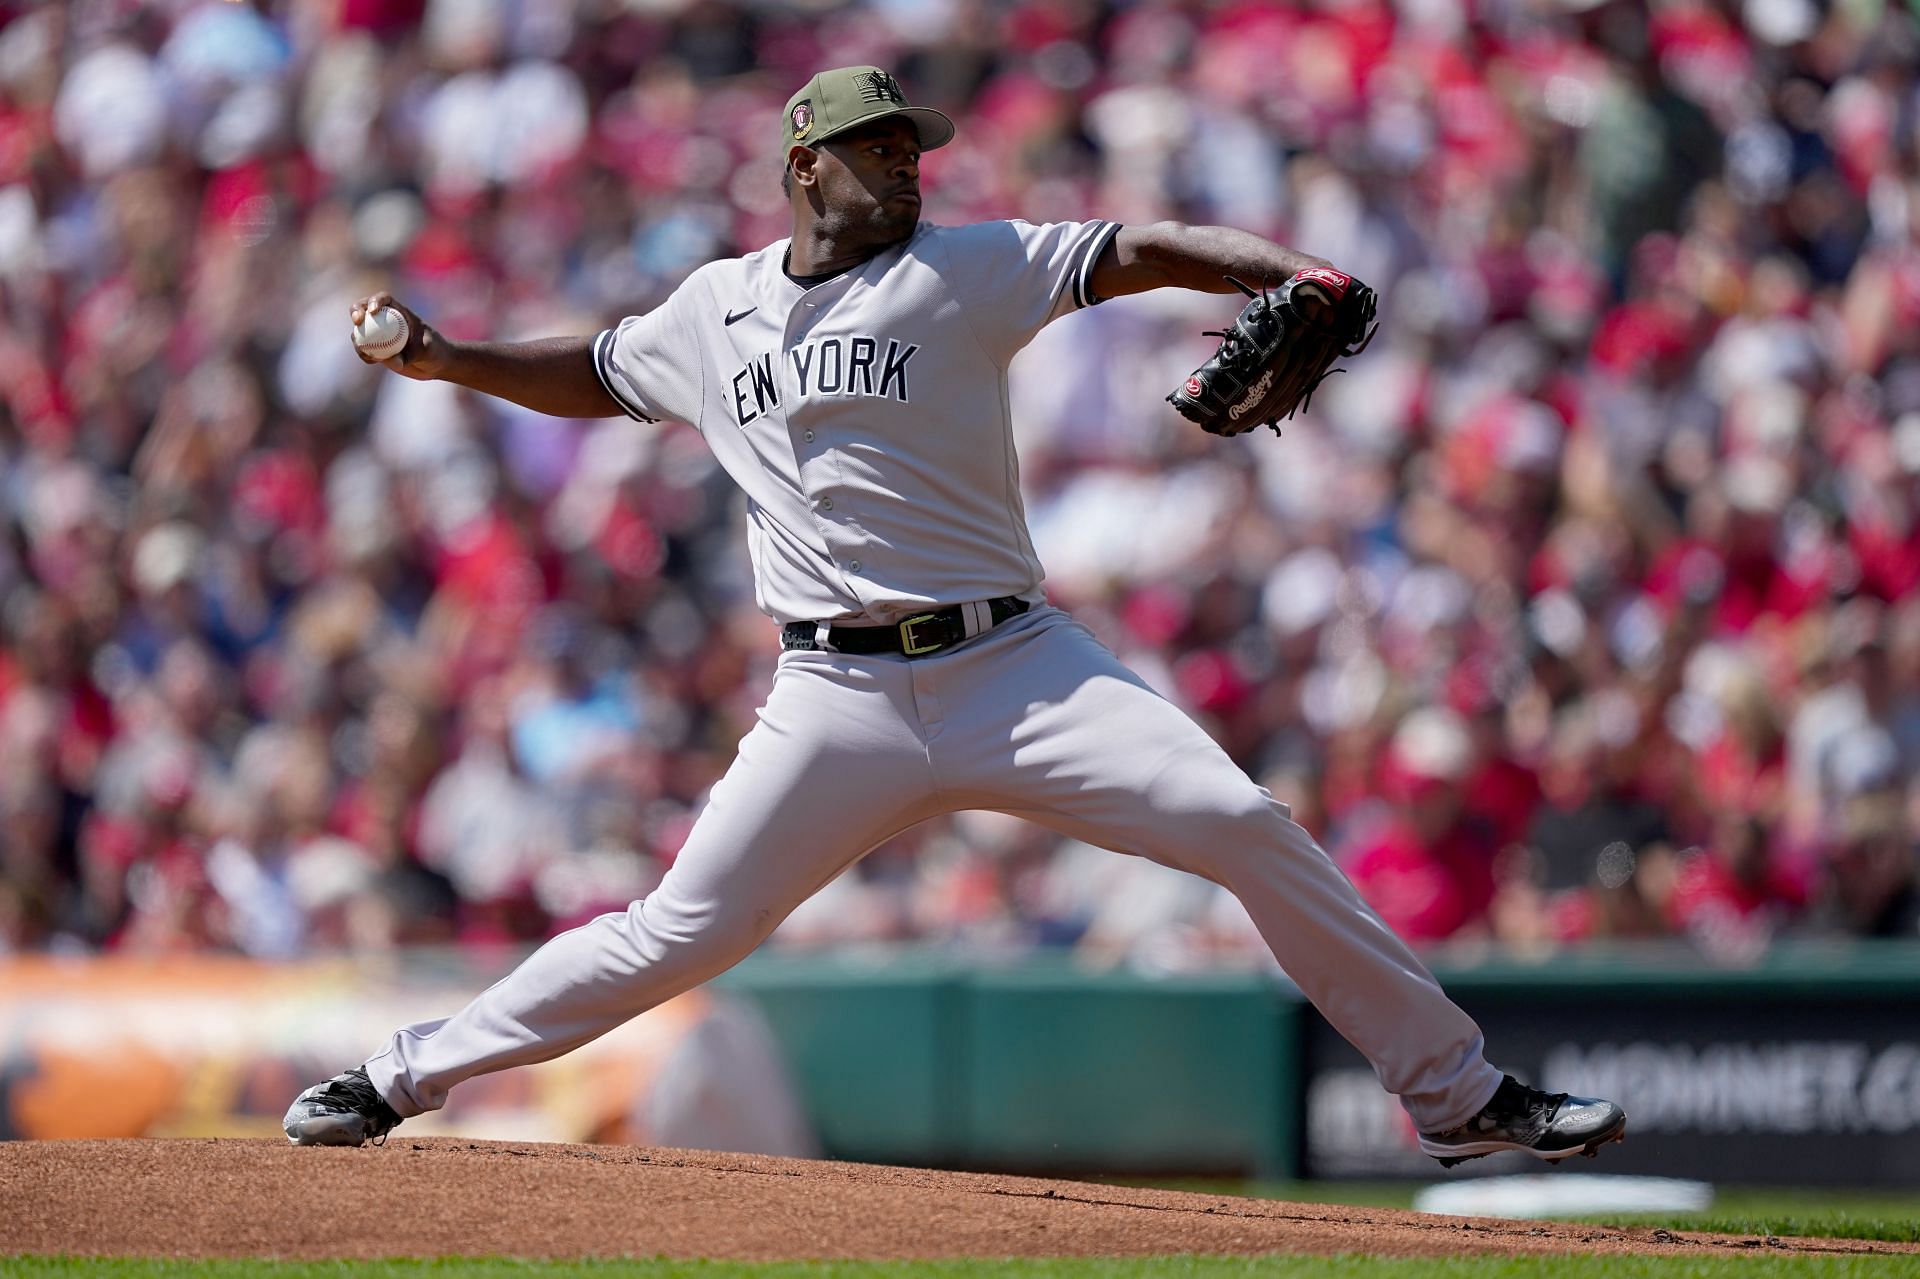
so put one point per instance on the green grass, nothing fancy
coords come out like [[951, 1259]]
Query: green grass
[[1758, 1266], [1736, 1210], [1835, 1214]]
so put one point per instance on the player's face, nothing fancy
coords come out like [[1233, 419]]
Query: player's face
[[869, 180]]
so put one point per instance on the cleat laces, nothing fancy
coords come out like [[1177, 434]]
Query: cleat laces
[[356, 1093]]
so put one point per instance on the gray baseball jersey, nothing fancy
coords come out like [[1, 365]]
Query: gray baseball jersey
[[866, 418]]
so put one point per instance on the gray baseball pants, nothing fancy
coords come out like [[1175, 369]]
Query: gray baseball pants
[[1035, 718]]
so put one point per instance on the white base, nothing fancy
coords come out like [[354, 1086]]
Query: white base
[[1563, 1195]]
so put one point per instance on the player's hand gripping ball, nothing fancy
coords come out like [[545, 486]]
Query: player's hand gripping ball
[[382, 334], [1280, 348]]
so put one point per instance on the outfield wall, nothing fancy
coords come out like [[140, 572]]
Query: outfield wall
[[1038, 1065], [1804, 1069]]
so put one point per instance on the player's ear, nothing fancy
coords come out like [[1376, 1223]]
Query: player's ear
[[801, 163]]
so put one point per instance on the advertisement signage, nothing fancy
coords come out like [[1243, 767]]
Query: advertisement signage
[[1758, 1088]]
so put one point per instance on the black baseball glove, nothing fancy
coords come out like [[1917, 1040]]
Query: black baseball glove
[[1281, 347]]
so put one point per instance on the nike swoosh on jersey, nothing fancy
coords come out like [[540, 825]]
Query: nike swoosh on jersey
[[734, 319]]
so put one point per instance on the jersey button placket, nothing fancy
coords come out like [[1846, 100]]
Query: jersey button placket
[[839, 529], [797, 326]]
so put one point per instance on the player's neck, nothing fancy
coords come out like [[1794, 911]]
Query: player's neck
[[818, 250]]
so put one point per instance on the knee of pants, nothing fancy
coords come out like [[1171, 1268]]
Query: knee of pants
[[703, 941], [1211, 813]]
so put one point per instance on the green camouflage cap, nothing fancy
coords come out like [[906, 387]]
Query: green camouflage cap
[[835, 101]]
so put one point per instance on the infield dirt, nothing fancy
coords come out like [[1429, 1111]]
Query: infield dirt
[[447, 1197]]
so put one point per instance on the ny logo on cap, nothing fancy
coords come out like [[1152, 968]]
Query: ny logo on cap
[[878, 86]]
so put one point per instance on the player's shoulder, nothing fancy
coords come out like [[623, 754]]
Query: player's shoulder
[[995, 229], [716, 276], [725, 277], [986, 226], [771, 259], [999, 237], [1004, 235]]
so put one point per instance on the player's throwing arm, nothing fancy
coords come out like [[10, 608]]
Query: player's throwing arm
[[548, 375]]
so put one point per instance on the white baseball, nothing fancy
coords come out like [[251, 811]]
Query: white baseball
[[382, 334]]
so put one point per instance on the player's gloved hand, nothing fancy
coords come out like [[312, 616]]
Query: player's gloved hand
[[1282, 346], [426, 352]]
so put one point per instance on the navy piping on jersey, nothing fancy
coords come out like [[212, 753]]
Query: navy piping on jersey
[[1088, 258], [602, 367]]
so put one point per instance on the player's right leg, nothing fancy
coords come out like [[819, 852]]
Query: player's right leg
[[1052, 726], [834, 766]]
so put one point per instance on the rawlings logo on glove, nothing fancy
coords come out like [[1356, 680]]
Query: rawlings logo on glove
[[1254, 395], [1336, 281], [1281, 347]]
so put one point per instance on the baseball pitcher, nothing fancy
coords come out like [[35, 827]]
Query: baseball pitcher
[[853, 381]]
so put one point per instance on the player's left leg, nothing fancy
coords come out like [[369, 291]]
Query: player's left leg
[[1047, 723], [835, 764]]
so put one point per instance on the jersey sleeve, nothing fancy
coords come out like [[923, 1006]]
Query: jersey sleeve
[[1014, 278], [652, 364]]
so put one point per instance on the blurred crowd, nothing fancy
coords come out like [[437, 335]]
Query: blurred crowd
[[1581, 608]]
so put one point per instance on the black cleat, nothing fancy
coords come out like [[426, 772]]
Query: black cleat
[[1546, 1125], [343, 1111]]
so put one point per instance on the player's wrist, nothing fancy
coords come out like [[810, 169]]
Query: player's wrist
[[440, 358]]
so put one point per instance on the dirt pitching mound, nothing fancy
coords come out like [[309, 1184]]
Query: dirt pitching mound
[[443, 1197]]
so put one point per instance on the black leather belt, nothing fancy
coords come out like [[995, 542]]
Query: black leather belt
[[922, 635]]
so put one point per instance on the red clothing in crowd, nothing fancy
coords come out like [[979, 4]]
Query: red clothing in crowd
[[1708, 894], [1425, 891]]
